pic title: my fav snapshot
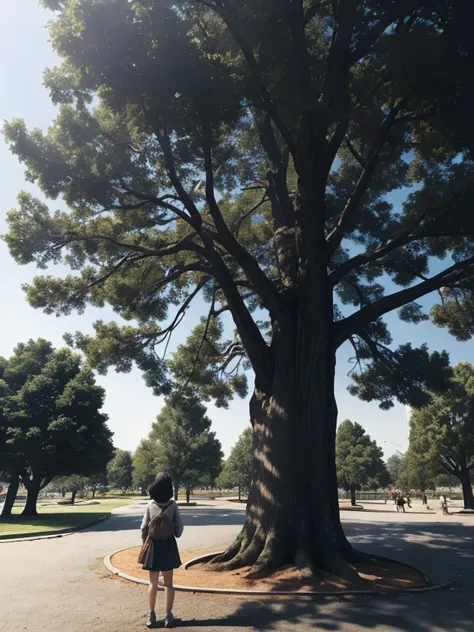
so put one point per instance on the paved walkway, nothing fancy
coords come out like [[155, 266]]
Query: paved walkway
[[60, 585]]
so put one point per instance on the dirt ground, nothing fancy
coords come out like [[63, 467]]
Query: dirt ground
[[384, 576]]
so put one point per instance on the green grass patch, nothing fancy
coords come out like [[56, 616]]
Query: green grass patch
[[53, 517]]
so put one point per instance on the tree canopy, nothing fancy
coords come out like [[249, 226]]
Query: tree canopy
[[237, 470], [442, 433], [120, 470], [359, 460], [247, 153], [51, 407]]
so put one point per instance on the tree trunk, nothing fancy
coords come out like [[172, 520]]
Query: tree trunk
[[188, 494], [240, 493], [353, 497], [292, 510], [177, 485], [11, 495], [73, 495], [465, 478], [33, 490]]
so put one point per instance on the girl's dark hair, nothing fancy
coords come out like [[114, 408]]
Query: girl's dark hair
[[161, 490]]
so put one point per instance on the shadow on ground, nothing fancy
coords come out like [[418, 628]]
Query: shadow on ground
[[443, 551]]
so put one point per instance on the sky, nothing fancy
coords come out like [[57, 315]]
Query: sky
[[24, 53]]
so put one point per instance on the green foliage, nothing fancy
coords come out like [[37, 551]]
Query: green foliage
[[359, 461], [50, 409], [442, 433], [418, 472], [395, 466], [144, 470], [186, 169], [120, 470], [237, 470], [185, 447]]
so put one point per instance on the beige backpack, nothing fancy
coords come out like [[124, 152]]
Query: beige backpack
[[161, 526]]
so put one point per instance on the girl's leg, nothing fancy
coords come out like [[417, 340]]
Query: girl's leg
[[153, 589], [169, 590]]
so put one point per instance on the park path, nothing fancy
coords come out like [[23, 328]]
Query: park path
[[60, 585]]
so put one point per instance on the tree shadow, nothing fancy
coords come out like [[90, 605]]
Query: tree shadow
[[443, 551]]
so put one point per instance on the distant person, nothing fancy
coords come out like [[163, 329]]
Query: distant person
[[401, 503], [408, 500], [161, 525], [443, 504]]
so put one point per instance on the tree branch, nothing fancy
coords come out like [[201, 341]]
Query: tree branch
[[204, 335], [336, 236], [262, 284], [360, 320]]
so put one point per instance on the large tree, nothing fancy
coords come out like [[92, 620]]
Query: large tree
[[442, 433], [244, 152], [52, 410], [185, 447], [359, 460], [237, 470]]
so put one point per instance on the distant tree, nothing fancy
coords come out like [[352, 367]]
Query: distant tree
[[144, 465], [359, 460], [446, 480], [97, 482], [54, 426], [237, 470], [185, 445], [74, 484], [417, 472], [120, 470], [395, 465], [442, 432]]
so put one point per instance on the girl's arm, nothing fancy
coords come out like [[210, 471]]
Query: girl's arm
[[178, 523], [145, 523]]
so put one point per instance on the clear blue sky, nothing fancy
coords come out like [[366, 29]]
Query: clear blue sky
[[25, 53]]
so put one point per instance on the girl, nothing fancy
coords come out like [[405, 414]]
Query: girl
[[165, 557]]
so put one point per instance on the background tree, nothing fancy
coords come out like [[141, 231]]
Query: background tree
[[188, 170], [395, 465], [418, 472], [120, 470], [144, 465], [75, 484], [54, 426], [359, 460], [442, 433], [237, 470], [446, 480], [185, 446]]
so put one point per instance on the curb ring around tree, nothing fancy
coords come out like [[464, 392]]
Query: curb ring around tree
[[277, 593]]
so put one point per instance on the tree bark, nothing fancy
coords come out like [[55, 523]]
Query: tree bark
[[73, 495], [33, 489], [11, 495], [465, 478], [292, 510], [177, 485], [240, 493], [353, 497], [188, 494]]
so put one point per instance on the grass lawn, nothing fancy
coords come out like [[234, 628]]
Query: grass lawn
[[53, 517]]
